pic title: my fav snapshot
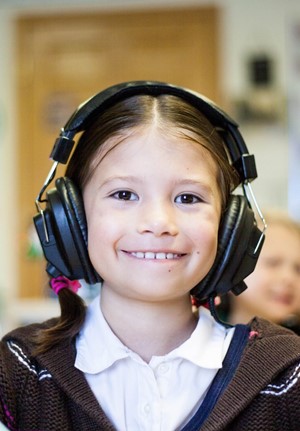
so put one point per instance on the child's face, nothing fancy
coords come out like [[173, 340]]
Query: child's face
[[153, 209], [274, 287]]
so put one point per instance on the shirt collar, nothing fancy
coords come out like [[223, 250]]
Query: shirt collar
[[206, 346], [97, 346]]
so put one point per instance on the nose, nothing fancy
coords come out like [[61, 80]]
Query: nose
[[158, 219]]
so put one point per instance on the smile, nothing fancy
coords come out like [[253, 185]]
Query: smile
[[152, 255]]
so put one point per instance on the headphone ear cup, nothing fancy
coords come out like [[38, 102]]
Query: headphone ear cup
[[237, 252], [70, 227]]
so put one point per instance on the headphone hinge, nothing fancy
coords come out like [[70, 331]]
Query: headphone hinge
[[246, 167], [62, 149]]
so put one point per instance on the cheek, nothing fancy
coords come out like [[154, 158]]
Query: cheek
[[101, 234], [96, 244], [206, 238]]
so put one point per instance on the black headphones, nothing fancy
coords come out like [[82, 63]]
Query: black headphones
[[62, 227]]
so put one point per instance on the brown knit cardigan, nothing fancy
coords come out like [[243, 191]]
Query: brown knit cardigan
[[48, 393]]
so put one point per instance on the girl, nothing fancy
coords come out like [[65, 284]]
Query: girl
[[149, 189]]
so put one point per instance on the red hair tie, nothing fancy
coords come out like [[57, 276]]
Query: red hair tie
[[62, 282]]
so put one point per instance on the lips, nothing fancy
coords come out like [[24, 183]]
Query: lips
[[153, 255]]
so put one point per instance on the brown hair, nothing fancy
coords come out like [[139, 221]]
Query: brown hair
[[138, 111]]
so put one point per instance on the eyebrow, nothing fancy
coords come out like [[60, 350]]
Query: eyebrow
[[177, 182], [129, 178]]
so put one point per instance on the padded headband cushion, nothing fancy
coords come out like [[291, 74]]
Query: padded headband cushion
[[93, 107], [116, 93]]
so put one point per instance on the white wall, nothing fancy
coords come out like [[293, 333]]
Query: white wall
[[247, 27], [263, 26]]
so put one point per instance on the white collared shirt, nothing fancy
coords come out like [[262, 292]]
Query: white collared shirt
[[163, 394]]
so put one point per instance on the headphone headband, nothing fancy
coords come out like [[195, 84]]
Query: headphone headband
[[122, 91], [242, 161]]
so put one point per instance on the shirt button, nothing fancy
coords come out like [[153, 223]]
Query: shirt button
[[163, 368]]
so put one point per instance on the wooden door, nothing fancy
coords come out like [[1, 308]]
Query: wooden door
[[64, 59]]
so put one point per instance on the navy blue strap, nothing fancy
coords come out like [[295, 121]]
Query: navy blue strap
[[222, 378]]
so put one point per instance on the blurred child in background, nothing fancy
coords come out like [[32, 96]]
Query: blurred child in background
[[274, 287]]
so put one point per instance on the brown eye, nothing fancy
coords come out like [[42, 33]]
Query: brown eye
[[187, 198], [125, 195]]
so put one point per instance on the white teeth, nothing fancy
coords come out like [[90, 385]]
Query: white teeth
[[149, 255], [152, 255], [171, 255]]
